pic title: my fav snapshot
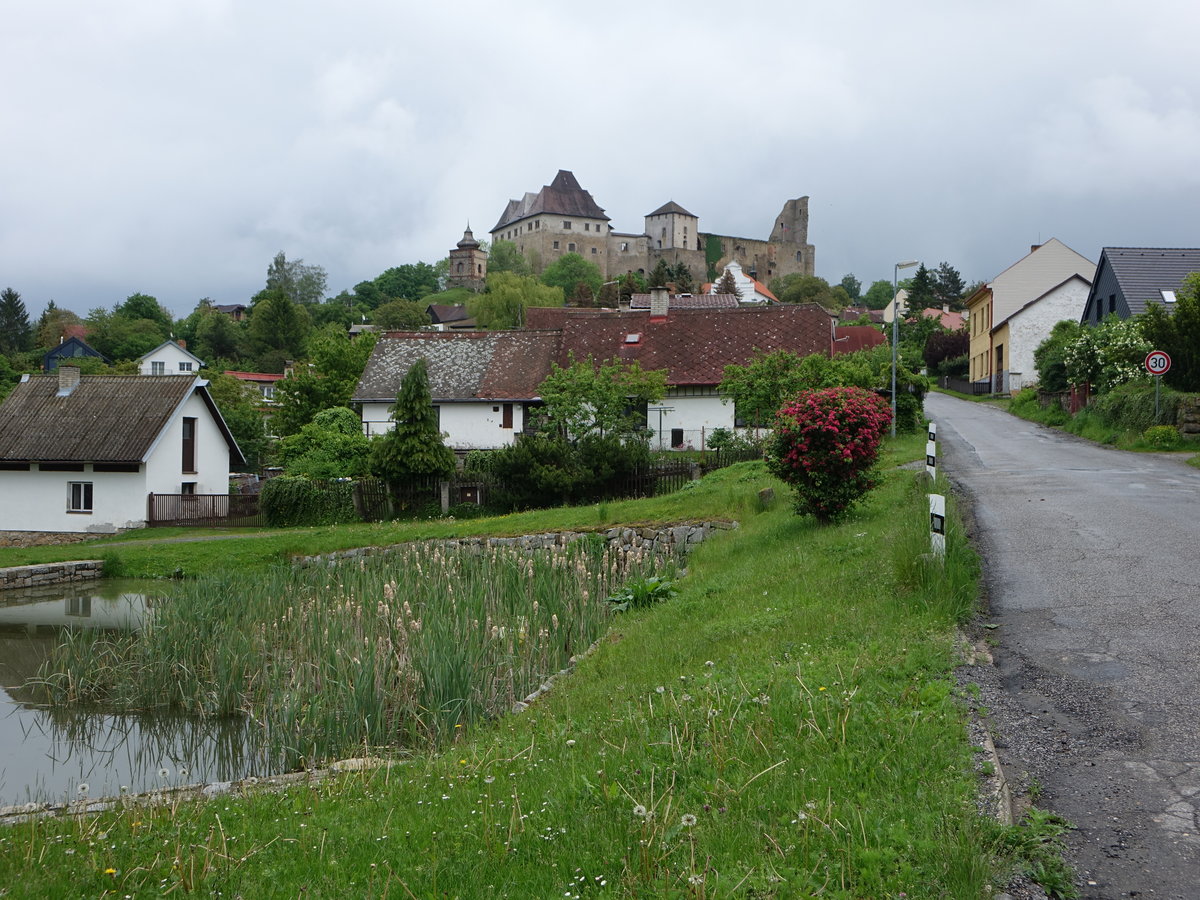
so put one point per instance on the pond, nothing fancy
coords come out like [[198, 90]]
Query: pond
[[54, 755]]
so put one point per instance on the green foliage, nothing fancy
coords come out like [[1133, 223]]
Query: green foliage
[[947, 286], [412, 281], [336, 364], [301, 284], [681, 276], [16, 334], [713, 251], [825, 444], [727, 284], [503, 256], [414, 448], [878, 295], [1050, 356], [659, 275], [945, 345], [609, 398], [544, 470], [291, 500], [332, 445], [852, 286], [798, 288], [921, 290], [507, 297], [1162, 437], [278, 328], [642, 593], [1108, 354], [9, 377], [575, 276], [401, 315], [1178, 334], [1130, 407], [240, 405], [1026, 405], [121, 338]]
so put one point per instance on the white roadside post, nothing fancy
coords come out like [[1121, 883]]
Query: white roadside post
[[931, 460], [937, 525], [933, 431]]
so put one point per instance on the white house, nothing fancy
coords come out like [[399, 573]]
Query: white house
[[1025, 329], [482, 382], [168, 358], [82, 453], [751, 290]]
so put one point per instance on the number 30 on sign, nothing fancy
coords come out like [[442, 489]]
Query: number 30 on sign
[[1157, 362]]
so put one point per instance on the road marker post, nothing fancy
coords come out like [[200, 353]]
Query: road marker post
[[937, 525]]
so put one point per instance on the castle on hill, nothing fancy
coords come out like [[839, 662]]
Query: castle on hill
[[564, 218]]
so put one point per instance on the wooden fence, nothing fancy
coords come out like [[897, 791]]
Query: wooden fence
[[208, 510]]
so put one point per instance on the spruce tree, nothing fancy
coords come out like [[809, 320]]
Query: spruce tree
[[16, 335], [414, 449], [728, 285]]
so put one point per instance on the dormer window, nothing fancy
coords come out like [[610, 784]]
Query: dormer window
[[1168, 296], [635, 338]]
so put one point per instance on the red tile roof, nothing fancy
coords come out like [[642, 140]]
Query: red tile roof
[[951, 321], [852, 338], [695, 345]]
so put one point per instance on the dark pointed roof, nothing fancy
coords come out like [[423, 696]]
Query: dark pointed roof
[[105, 418], [670, 207], [563, 196], [468, 241], [1145, 272]]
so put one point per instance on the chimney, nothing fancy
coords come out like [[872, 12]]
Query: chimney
[[68, 379], [660, 302], [1033, 247]]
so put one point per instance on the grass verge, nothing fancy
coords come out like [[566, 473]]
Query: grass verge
[[785, 726]]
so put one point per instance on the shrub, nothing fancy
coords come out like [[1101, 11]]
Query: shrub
[[1130, 407], [1161, 437], [291, 500], [825, 444]]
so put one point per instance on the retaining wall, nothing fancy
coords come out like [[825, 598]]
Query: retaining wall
[[51, 573]]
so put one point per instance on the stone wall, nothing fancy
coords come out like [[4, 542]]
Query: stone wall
[[51, 573], [663, 539], [42, 538], [1187, 417]]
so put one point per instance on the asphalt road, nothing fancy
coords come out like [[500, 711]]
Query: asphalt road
[[1092, 573]]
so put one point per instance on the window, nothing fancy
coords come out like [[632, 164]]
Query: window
[[158, 367], [188, 489], [79, 496], [185, 367], [593, 251], [676, 437], [556, 245], [566, 225], [189, 444], [571, 247], [1112, 303], [624, 246], [506, 419], [1168, 296], [587, 226]]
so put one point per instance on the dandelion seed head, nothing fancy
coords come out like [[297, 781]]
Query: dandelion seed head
[[687, 820]]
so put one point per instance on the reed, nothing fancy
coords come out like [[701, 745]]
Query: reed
[[405, 648]]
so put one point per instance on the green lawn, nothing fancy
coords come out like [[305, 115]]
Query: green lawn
[[786, 726]]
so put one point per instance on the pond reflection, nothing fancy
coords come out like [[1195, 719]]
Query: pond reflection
[[56, 754]]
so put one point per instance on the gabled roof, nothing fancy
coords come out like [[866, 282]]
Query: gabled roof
[[670, 207], [199, 362], [71, 348], [1144, 272], [694, 345], [1042, 297], [562, 196], [443, 313], [462, 365], [105, 418], [948, 319], [256, 377]]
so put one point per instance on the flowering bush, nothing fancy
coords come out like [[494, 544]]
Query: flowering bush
[[824, 445]]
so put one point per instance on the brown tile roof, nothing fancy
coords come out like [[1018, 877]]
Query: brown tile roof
[[688, 301], [463, 365], [106, 418], [670, 207], [563, 196], [852, 338], [952, 321], [695, 345]]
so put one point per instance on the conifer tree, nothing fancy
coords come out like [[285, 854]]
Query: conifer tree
[[728, 285], [414, 449], [16, 336]]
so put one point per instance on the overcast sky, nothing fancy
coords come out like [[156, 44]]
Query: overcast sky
[[173, 147]]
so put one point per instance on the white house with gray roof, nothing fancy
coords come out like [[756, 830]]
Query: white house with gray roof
[[83, 453]]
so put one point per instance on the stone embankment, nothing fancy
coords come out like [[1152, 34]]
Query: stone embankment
[[50, 573], [42, 538], [661, 539]]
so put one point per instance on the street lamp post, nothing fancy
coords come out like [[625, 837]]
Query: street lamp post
[[896, 328]]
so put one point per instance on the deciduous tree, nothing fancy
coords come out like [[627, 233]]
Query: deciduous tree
[[570, 271], [300, 283], [1178, 334], [400, 315], [852, 286], [507, 297], [606, 399], [332, 445], [878, 295], [505, 257]]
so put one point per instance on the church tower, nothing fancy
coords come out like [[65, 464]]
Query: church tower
[[468, 263]]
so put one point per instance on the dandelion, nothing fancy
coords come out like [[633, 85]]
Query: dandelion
[[82, 789], [696, 879], [687, 820], [571, 743], [110, 871], [709, 663], [660, 690], [183, 772], [640, 811], [164, 773]]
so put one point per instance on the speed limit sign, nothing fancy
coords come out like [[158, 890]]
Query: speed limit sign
[[1157, 362]]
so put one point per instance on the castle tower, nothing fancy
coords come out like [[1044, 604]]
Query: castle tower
[[468, 263]]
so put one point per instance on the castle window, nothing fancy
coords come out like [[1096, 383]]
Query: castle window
[[799, 256], [624, 246], [593, 251], [571, 247], [587, 226], [566, 225], [556, 245]]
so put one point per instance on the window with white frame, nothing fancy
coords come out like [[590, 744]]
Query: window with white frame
[[185, 367], [79, 496], [158, 367]]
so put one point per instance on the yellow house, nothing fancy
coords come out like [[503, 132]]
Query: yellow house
[[1045, 270]]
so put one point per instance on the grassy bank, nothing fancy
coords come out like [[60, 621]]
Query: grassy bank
[[784, 727]]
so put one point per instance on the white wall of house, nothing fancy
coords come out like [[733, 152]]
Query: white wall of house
[[38, 501], [164, 466], [1028, 327], [468, 425], [169, 359], [696, 416]]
